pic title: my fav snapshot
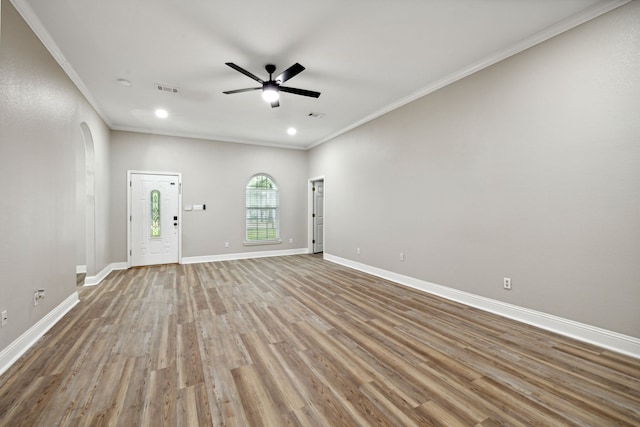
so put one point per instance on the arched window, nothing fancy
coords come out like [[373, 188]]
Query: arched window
[[262, 209]]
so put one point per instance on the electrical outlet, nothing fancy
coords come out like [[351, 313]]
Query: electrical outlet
[[226, 244], [507, 283], [37, 296], [290, 240], [5, 318], [358, 251], [401, 256]]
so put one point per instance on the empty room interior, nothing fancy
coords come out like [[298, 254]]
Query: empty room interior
[[320, 213]]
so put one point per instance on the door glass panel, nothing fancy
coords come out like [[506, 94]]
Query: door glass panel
[[155, 213]]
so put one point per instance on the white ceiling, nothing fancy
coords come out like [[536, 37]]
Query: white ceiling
[[367, 57]]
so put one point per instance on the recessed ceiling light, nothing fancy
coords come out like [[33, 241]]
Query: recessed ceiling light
[[162, 114], [124, 82], [292, 131]]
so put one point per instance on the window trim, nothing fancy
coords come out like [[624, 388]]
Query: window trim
[[261, 242], [277, 240]]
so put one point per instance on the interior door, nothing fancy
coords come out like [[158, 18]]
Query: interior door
[[154, 215], [318, 216]]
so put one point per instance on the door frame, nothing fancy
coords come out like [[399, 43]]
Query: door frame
[[310, 214], [128, 219]]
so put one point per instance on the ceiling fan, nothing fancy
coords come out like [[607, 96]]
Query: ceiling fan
[[271, 88]]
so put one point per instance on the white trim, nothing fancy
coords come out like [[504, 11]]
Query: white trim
[[262, 242], [209, 137], [95, 280], [310, 210], [80, 269], [30, 17], [128, 183], [601, 337], [242, 255], [20, 345], [482, 63]]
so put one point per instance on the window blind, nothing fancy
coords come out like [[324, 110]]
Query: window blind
[[262, 209]]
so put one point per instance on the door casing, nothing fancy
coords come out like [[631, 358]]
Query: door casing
[[130, 173], [310, 227]]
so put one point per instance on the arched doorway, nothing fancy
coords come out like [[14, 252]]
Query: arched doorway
[[85, 203]]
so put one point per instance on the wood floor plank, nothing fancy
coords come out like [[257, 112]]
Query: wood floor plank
[[136, 386], [299, 341], [193, 407], [160, 398], [276, 378], [257, 401], [189, 363], [397, 414]]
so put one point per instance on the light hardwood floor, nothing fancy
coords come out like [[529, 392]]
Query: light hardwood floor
[[303, 342]]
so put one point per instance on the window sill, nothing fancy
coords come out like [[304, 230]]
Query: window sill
[[262, 242]]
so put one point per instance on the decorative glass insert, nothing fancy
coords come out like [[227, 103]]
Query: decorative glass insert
[[155, 213], [262, 205]]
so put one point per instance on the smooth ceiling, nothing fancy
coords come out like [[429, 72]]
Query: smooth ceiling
[[367, 57]]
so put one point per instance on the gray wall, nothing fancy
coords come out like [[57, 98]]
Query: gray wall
[[216, 174], [529, 169], [40, 116]]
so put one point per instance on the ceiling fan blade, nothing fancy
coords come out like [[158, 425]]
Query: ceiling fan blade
[[229, 92], [245, 72], [275, 104], [302, 92], [290, 73]]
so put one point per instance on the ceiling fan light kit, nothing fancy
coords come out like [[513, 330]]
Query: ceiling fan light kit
[[271, 88], [270, 92]]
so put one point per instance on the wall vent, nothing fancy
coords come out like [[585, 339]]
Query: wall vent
[[316, 115], [165, 88]]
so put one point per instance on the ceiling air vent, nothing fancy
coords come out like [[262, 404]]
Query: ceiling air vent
[[316, 115], [165, 88]]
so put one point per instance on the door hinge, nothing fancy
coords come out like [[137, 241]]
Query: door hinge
[[130, 185], [130, 252], [314, 240], [130, 218], [313, 215]]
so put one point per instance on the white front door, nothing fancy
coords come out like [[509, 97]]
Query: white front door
[[318, 216], [154, 219]]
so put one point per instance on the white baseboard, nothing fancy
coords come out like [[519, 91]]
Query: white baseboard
[[17, 348], [243, 255], [601, 337], [95, 280], [80, 269]]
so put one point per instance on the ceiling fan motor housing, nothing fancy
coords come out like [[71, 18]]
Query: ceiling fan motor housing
[[270, 69]]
